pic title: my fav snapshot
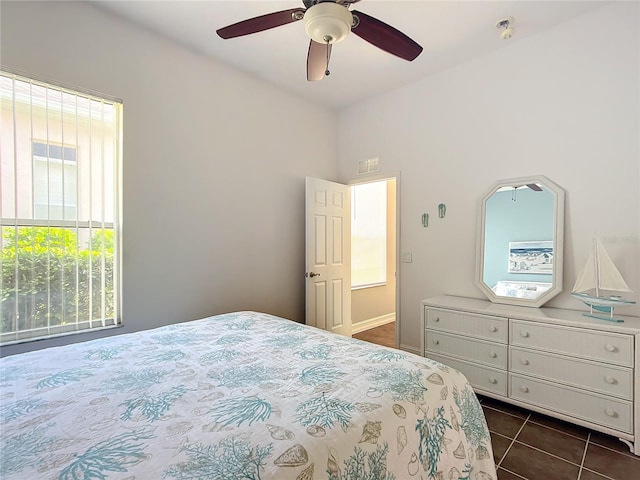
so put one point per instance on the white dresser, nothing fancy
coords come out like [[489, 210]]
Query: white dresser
[[553, 361]]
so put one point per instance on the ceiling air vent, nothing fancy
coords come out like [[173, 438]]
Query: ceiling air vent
[[371, 165]]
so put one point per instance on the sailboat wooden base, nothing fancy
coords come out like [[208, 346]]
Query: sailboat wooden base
[[602, 317]]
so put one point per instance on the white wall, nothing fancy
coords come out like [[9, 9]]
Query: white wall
[[214, 165], [564, 103]]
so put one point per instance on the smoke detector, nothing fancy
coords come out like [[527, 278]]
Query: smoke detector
[[505, 25]]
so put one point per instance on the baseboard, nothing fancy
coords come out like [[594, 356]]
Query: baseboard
[[372, 323]]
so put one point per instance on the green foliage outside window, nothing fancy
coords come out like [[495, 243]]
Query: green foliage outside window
[[50, 277]]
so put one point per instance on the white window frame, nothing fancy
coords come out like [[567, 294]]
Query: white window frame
[[377, 215]]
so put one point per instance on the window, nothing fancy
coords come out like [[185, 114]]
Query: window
[[54, 182], [59, 180], [369, 234]]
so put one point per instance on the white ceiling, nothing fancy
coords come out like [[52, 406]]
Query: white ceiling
[[451, 32]]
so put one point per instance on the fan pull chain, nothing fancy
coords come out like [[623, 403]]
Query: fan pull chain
[[327, 72]]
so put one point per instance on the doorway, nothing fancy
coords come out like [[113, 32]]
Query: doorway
[[374, 256]]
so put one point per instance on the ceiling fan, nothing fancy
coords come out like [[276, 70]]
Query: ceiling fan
[[327, 22]]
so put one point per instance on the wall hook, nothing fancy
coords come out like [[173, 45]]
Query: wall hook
[[442, 210], [425, 219]]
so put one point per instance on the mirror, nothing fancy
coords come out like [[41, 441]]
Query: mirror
[[520, 238]]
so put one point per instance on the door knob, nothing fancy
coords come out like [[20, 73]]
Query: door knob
[[311, 274]]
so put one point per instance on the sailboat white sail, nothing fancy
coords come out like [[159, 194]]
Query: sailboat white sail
[[600, 274]]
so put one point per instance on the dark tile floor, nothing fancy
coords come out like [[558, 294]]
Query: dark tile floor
[[531, 446]]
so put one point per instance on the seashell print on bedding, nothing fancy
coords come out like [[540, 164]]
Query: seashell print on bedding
[[211, 397], [306, 474], [178, 429], [280, 433], [367, 407], [444, 393], [316, 431], [332, 462], [371, 432], [37, 420], [413, 466], [402, 439], [292, 457], [460, 452], [399, 410]]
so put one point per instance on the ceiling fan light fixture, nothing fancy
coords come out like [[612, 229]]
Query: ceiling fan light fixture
[[328, 22]]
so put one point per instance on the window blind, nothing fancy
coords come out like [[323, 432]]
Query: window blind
[[60, 155]]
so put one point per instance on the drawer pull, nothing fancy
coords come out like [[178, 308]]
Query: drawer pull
[[493, 328], [524, 389], [437, 319], [524, 334], [610, 380], [435, 341], [524, 361], [493, 354], [611, 348], [611, 413], [493, 380]]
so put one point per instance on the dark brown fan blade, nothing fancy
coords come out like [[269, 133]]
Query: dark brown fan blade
[[259, 24], [385, 37], [317, 60], [534, 186]]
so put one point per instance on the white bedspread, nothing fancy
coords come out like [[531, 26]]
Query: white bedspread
[[238, 396]]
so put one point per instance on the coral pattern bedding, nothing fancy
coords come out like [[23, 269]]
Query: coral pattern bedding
[[238, 396]]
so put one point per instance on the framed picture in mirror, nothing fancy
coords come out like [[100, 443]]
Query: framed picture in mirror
[[531, 257]]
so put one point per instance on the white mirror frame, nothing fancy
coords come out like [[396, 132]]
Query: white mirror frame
[[558, 242]]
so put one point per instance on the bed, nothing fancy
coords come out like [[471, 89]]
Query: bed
[[243, 395], [529, 290]]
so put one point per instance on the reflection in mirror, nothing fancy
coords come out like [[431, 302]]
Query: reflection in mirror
[[520, 241]]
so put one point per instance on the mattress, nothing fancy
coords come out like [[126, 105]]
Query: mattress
[[243, 395]]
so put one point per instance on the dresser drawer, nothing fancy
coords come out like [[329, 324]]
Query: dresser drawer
[[592, 407], [488, 353], [599, 377], [612, 348], [481, 326], [480, 377]]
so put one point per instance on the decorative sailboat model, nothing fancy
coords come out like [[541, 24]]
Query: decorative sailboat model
[[600, 274]]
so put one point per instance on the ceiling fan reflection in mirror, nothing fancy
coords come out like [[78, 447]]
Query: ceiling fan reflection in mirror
[[327, 22], [514, 189]]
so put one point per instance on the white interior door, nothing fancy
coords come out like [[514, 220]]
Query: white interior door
[[328, 256]]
